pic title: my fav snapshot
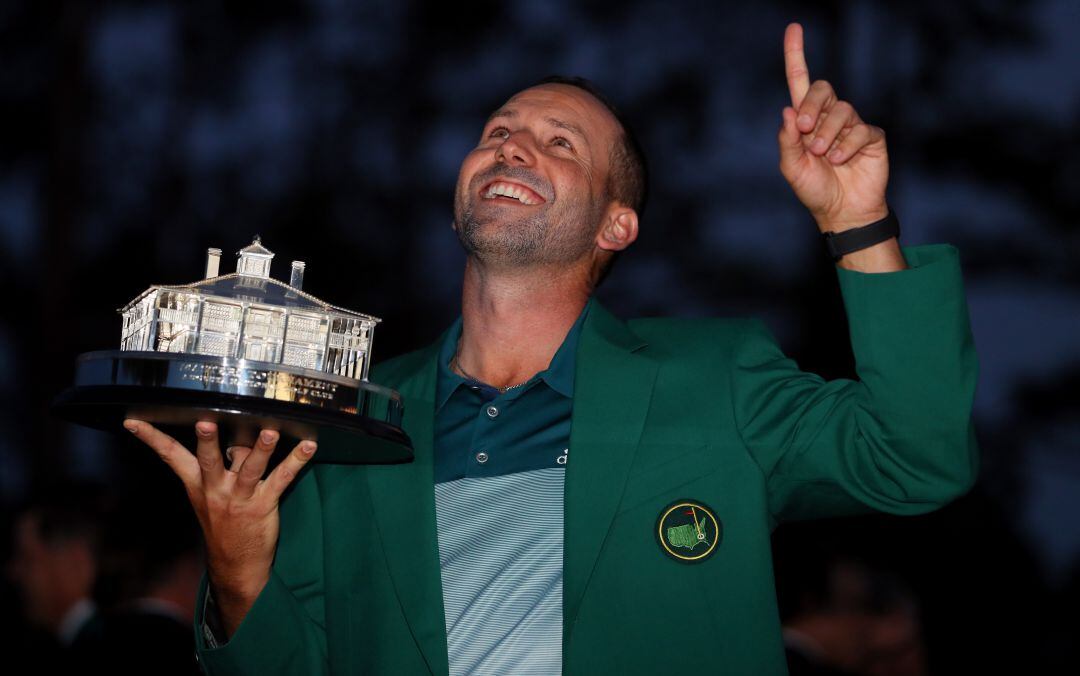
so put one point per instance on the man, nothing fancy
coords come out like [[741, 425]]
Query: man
[[54, 565], [587, 495], [155, 567]]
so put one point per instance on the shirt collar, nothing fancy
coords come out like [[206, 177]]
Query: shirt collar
[[75, 619], [559, 374]]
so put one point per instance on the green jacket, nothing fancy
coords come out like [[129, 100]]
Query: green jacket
[[664, 409]]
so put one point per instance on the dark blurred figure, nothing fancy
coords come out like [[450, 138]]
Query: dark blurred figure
[[150, 575], [104, 583], [845, 617], [53, 566]]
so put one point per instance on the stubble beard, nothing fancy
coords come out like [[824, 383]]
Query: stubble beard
[[547, 236]]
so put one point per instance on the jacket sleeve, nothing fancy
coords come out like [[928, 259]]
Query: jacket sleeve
[[900, 438], [284, 632]]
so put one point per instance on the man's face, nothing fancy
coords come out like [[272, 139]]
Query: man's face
[[534, 190], [50, 576]]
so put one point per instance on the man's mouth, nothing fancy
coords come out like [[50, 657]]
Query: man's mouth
[[506, 191]]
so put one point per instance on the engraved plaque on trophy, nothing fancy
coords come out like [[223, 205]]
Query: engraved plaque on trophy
[[248, 352]]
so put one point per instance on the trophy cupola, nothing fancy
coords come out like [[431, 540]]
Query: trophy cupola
[[254, 260]]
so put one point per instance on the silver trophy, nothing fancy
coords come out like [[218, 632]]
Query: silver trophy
[[248, 352]]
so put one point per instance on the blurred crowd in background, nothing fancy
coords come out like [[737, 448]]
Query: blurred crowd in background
[[105, 580], [139, 133]]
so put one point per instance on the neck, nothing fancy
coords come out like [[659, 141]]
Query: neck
[[513, 321]]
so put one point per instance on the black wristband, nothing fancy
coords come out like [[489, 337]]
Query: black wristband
[[844, 242]]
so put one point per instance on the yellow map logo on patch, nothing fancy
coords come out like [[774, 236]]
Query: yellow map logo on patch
[[688, 531]]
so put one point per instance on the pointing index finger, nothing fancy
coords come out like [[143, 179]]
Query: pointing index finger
[[798, 76]]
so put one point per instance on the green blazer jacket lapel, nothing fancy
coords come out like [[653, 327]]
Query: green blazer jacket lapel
[[612, 391], [403, 500]]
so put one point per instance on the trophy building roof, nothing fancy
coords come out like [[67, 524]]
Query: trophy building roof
[[251, 283], [253, 290]]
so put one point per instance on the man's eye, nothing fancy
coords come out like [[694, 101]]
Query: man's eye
[[560, 141], [500, 132]]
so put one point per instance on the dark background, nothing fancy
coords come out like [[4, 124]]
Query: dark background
[[137, 134]]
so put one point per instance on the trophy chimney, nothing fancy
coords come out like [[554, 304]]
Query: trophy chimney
[[213, 262], [296, 279]]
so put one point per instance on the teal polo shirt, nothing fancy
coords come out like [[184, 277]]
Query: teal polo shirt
[[500, 467]]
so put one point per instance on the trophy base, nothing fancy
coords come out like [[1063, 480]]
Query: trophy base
[[158, 388]]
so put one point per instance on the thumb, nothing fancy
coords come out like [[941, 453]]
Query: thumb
[[790, 142]]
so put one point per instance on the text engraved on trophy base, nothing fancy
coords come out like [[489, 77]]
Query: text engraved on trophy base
[[270, 384]]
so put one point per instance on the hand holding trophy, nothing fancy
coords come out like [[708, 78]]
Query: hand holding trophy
[[236, 508]]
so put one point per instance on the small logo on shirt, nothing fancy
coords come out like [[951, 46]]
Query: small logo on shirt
[[561, 460], [688, 531]]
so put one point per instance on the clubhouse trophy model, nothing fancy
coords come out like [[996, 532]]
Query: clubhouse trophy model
[[248, 352]]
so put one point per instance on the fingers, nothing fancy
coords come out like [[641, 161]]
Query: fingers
[[285, 472], [251, 471], [840, 117], [860, 136], [790, 142], [209, 453], [798, 76], [178, 458], [820, 97], [236, 456], [817, 121]]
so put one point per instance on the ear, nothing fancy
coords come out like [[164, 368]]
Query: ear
[[619, 229]]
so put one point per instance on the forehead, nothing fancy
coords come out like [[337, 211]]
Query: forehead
[[565, 103]]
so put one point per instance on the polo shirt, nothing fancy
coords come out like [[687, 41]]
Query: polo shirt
[[500, 466]]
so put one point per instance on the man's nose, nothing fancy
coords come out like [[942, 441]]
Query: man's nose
[[515, 149]]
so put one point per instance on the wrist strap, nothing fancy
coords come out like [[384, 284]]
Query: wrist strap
[[839, 244]]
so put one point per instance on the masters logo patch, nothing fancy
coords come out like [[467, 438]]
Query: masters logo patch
[[688, 531]]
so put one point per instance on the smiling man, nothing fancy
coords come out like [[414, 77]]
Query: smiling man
[[591, 495]]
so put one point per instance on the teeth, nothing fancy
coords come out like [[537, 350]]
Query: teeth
[[507, 190]]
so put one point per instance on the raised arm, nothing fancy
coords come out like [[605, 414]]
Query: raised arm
[[900, 438]]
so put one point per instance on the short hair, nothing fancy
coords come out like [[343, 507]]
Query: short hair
[[67, 513], [628, 178]]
